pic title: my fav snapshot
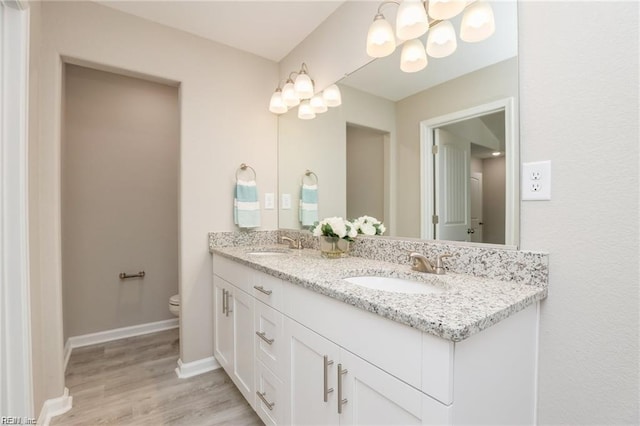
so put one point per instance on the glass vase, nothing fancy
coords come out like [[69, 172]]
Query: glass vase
[[333, 247]]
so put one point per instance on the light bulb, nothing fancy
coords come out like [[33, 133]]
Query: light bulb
[[303, 86], [411, 20], [332, 96], [276, 105], [445, 9], [318, 104], [442, 40], [380, 39], [414, 57], [305, 112], [289, 95], [477, 22]]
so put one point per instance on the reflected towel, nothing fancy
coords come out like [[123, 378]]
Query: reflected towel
[[308, 211], [246, 207]]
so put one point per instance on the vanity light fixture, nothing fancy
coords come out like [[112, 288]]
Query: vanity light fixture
[[415, 18], [299, 90]]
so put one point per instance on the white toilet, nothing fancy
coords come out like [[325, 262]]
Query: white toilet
[[174, 304]]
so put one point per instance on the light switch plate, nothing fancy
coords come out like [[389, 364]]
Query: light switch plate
[[269, 201], [536, 181], [286, 201]]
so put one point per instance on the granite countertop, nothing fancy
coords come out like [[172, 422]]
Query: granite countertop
[[467, 305]]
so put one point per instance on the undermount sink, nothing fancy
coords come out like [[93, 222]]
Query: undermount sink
[[396, 285], [269, 252]]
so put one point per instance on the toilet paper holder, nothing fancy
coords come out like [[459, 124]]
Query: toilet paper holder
[[124, 276]]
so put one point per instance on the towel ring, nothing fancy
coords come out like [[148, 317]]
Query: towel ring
[[244, 167], [308, 174]]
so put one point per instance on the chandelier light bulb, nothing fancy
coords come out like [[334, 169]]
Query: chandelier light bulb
[[445, 9], [442, 40], [414, 56], [411, 20], [305, 112], [289, 95], [380, 39], [477, 22], [303, 86], [276, 105], [332, 96], [318, 104]]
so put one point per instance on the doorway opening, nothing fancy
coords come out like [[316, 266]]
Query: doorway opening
[[470, 180]]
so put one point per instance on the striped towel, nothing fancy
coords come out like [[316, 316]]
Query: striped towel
[[246, 207], [308, 211]]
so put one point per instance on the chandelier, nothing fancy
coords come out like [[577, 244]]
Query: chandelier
[[416, 18], [299, 91]]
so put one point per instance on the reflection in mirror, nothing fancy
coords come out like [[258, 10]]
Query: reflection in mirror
[[369, 154]]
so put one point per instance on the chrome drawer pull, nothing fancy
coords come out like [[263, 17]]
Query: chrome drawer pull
[[262, 290], [341, 401], [263, 336], [224, 301], [327, 390], [261, 395]]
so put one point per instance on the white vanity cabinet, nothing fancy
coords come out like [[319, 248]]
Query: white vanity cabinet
[[233, 329], [317, 360]]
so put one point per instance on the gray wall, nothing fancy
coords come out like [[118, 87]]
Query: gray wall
[[365, 173], [579, 109], [120, 151], [493, 200]]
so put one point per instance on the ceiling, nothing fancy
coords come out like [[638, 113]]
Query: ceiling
[[270, 29]]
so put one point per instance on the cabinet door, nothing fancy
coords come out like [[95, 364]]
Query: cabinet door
[[241, 306], [222, 324], [374, 397], [307, 369]]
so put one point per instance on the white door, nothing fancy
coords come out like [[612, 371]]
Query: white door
[[222, 324], [475, 188], [374, 397], [452, 187], [243, 343], [312, 399]]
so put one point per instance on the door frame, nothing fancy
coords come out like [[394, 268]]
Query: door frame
[[512, 161], [16, 388]]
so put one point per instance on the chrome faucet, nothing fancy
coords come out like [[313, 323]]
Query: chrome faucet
[[420, 263], [293, 244]]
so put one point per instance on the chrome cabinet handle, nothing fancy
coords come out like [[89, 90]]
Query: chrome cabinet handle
[[262, 395], [263, 336], [327, 390], [224, 301], [262, 290], [341, 401], [227, 299]]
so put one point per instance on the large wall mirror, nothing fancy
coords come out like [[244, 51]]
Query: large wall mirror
[[434, 154]]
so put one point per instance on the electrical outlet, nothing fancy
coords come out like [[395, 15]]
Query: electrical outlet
[[536, 181]]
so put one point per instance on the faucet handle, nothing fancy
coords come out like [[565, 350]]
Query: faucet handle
[[439, 258]]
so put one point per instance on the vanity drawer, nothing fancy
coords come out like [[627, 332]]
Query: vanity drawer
[[270, 396], [269, 338], [239, 275], [268, 290]]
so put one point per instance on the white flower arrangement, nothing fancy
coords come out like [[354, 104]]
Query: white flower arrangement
[[335, 227], [368, 225]]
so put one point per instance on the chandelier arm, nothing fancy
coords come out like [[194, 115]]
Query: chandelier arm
[[386, 2]]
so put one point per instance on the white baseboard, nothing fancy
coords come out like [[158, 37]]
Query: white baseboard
[[115, 334], [190, 369], [54, 407]]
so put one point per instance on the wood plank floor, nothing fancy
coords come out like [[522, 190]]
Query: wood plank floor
[[132, 382]]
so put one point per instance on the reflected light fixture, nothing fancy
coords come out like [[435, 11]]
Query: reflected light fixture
[[416, 18], [496, 154], [299, 90]]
